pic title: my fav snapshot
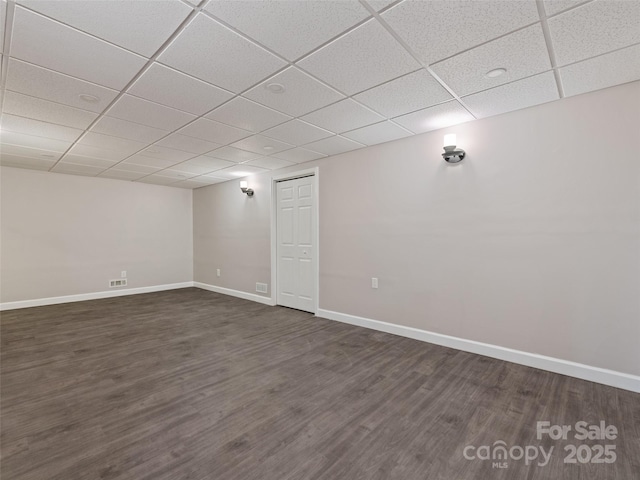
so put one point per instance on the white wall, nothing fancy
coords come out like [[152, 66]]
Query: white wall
[[532, 243], [67, 235]]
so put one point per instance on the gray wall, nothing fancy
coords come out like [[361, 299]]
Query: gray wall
[[67, 235], [532, 243]]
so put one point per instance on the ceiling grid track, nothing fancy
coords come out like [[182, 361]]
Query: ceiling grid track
[[547, 38], [327, 63], [123, 91], [416, 57]]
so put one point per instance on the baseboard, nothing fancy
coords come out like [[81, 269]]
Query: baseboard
[[556, 365], [38, 302], [235, 293]]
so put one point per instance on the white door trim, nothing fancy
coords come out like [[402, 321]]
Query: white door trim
[[315, 172]]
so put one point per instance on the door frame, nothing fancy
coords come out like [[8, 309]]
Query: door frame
[[309, 172]]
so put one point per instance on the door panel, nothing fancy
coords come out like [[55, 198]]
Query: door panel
[[287, 226], [305, 217], [296, 250]]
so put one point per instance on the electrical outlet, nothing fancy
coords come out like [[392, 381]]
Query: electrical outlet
[[374, 282], [123, 274], [261, 287], [121, 282], [217, 272]]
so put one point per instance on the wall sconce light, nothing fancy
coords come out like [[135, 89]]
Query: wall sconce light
[[245, 189], [450, 154]]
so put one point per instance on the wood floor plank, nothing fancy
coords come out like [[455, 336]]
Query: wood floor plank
[[189, 384]]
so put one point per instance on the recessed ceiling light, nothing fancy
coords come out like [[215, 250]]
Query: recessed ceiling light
[[85, 97], [268, 147], [275, 87], [496, 72]]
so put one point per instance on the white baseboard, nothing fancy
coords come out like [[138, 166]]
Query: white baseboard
[[556, 365], [38, 302], [235, 293]]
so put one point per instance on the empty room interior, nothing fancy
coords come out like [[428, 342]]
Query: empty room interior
[[320, 239]]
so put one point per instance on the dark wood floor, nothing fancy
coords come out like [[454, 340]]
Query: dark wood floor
[[190, 384]]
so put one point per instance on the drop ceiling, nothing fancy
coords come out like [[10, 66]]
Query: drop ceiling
[[189, 94]]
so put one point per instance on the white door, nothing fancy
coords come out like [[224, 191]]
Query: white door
[[296, 249]]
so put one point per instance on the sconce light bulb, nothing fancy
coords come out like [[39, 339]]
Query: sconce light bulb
[[450, 140], [243, 184]]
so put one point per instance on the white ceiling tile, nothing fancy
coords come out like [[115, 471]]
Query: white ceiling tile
[[188, 144], [72, 168], [202, 181], [405, 94], [361, 59], [39, 109], [31, 152], [28, 126], [594, 28], [433, 118], [551, 7], [436, 30], [302, 93], [149, 113], [378, 133], [521, 54], [212, 52], [604, 71], [92, 162], [50, 44], [144, 161], [270, 163], [121, 174], [105, 147], [299, 155], [47, 84], [175, 89], [139, 169], [514, 96], [297, 132], [31, 141], [17, 161], [334, 145], [261, 145], [248, 115], [108, 142], [234, 155], [342, 116], [192, 183], [207, 179], [176, 174], [213, 131], [157, 180], [124, 129], [208, 161], [238, 171], [97, 152], [290, 28], [138, 26], [164, 153], [201, 165]]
